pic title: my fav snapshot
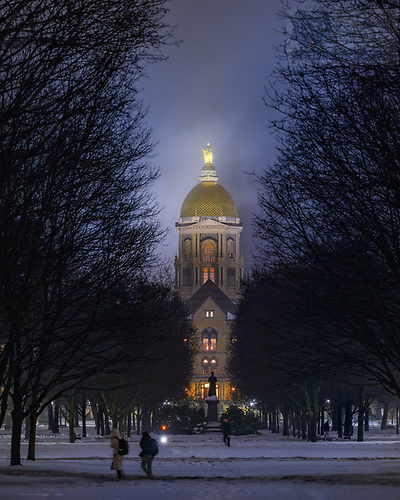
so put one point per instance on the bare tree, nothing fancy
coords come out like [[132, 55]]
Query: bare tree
[[331, 201], [75, 207]]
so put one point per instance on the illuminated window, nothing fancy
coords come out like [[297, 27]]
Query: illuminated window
[[209, 339], [205, 366], [213, 343], [208, 252], [213, 365], [208, 274], [209, 314], [205, 388]]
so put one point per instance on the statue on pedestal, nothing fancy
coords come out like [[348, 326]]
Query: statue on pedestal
[[212, 400], [212, 390]]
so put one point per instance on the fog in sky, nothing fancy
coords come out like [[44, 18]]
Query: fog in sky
[[211, 89]]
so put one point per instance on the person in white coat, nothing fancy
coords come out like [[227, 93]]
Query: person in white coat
[[117, 458]]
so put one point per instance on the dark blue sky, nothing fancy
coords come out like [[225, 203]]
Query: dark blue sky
[[211, 89]]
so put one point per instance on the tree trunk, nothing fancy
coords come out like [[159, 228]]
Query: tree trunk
[[71, 419], [56, 428], [348, 421], [101, 423], [32, 436], [146, 419], [129, 429], [107, 430], [76, 417], [17, 420], [27, 426], [366, 420], [273, 423], [360, 417], [4, 405], [83, 415], [285, 429], [50, 417], [312, 429], [303, 426], [385, 415], [321, 422], [337, 420]]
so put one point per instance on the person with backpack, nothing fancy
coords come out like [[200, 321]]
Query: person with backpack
[[226, 430], [118, 452], [149, 450]]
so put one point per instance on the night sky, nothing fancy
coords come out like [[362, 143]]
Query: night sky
[[211, 89]]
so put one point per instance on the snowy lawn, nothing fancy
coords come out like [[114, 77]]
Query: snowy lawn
[[265, 466]]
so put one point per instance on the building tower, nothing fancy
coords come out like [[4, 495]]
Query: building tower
[[208, 270]]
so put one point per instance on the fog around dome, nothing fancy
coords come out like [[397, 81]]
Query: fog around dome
[[208, 199]]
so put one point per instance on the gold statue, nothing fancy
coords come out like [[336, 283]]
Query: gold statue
[[207, 152]]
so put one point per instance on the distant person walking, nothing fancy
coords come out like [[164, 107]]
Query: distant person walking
[[149, 450], [117, 458], [326, 429], [226, 430]]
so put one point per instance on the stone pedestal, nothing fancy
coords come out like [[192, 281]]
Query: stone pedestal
[[212, 410]]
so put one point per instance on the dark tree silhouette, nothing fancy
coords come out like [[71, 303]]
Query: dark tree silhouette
[[329, 206], [75, 210]]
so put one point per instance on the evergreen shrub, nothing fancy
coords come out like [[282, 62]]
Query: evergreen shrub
[[242, 420], [180, 418]]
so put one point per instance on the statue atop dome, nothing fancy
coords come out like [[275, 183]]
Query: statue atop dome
[[208, 156], [208, 172]]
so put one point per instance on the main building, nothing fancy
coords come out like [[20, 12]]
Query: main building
[[208, 270]]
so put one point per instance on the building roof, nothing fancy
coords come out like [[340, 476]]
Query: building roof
[[208, 199], [210, 289]]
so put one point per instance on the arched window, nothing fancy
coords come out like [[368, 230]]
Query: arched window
[[187, 248], [213, 365], [213, 342], [205, 365], [209, 340], [230, 248], [208, 252]]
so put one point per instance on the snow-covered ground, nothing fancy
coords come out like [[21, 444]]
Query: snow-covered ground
[[265, 466]]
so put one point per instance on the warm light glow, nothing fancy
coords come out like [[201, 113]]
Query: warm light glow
[[207, 152], [211, 274], [209, 252]]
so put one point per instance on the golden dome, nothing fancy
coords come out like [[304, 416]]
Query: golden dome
[[208, 199]]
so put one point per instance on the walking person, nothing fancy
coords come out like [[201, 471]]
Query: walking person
[[117, 458], [326, 429], [226, 430], [149, 450]]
